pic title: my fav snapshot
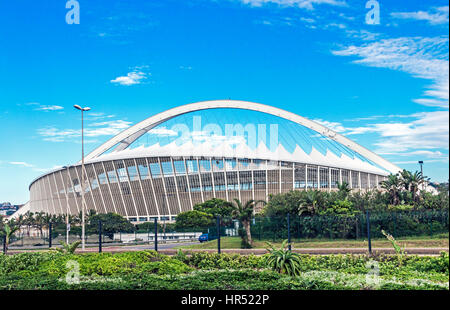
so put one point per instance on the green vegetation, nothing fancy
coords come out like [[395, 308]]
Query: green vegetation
[[67, 247], [7, 231], [151, 270], [193, 219], [244, 213], [282, 260]]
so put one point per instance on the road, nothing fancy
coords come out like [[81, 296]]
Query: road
[[111, 247]]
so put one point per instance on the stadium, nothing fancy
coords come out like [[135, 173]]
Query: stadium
[[227, 149]]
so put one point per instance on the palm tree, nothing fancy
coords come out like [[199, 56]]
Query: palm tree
[[416, 179], [39, 222], [310, 202], [393, 186], [405, 179], [244, 213], [8, 231], [343, 190], [29, 221]]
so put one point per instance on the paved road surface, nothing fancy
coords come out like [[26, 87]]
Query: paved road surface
[[170, 249]]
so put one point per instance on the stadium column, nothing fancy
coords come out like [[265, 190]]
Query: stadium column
[[368, 180], [267, 180], [99, 187], [58, 191], [359, 180], [73, 189], [200, 179], [329, 179], [376, 180], [340, 176], [225, 175], [153, 187], [238, 178], [187, 182], [350, 178], [131, 188], [318, 177], [86, 178], [65, 192], [81, 190], [176, 183], [109, 188], [252, 169], [279, 177], [50, 194], [212, 177], [306, 176], [120, 189], [293, 176], [165, 189], [141, 187]]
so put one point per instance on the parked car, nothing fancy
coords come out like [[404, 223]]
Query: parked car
[[203, 238]]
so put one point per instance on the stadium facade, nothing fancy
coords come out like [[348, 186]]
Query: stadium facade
[[227, 149]]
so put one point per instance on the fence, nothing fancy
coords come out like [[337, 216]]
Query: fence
[[362, 226], [398, 224]]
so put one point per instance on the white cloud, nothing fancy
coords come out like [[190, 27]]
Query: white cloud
[[132, 78], [49, 108], [163, 132], [335, 126], [108, 128], [437, 15], [425, 58], [45, 108], [304, 4], [425, 135], [33, 167], [21, 163]]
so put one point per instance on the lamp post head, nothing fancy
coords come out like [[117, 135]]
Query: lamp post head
[[80, 108], [420, 161]]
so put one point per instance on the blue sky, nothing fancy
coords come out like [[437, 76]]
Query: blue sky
[[383, 85]]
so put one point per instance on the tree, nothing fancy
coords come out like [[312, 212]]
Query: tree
[[393, 186], [244, 213], [343, 190], [280, 205], [215, 207], [310, 202], [405, 179], [7, 232], [193, 219], [111, 223], [415, 181]]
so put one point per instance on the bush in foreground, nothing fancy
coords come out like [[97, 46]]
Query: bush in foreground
[[151, 270]]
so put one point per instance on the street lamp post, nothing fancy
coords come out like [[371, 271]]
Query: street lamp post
[[83, 202]]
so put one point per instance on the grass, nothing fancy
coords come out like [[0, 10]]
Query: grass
[[436, 241]]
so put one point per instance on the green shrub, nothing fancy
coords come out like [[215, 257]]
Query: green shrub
[[151, 270], [282, 260]]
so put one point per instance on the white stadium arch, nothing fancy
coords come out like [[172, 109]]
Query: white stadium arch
[[128, 136]]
